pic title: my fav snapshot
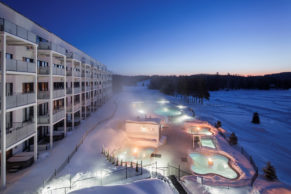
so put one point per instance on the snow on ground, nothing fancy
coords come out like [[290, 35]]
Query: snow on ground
[[29, 179], [153, 186], [268, 141]]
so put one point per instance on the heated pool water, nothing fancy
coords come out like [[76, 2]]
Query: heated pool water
[[208, 143], [220, 165], [167, 111]]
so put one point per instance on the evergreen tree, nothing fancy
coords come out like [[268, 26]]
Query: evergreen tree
[[256, 118], [218, 124], [232, 139], [270, 172]]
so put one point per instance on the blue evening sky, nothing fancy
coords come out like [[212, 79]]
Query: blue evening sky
[[172, 37]]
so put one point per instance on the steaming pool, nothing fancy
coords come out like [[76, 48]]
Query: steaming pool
[[199, 131], [208, 143], [167, 111], [202, 165]]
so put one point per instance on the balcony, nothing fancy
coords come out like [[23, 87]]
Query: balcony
[[69, 108], [83, 74], [20, 66], [43, 70], [58, 71], [43, 95], [77, 107], [69, 72], [69, 90], [77, 90], [20, 100], [11, 28], [18, 132], [43, 119], [57, 93], [51, 46], [59, 114], [72, 55], [83, 89], [88, 88], [77, 73]]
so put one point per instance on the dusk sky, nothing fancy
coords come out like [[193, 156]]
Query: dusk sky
[[172, 37]]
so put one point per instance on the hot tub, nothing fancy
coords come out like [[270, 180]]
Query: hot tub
[[215, 164]]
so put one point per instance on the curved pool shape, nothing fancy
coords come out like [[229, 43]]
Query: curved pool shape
[[208, 143], [220, 165], [199, 131], [167, 112]]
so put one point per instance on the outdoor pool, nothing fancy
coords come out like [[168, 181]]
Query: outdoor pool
[[215, 164], [167, 111], [208, 143], [199, 131]]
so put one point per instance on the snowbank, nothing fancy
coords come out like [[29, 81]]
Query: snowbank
[[144, 186]]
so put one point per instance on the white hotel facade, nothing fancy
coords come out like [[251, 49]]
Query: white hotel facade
[[47, 87]]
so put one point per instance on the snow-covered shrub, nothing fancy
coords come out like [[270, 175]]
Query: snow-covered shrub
[[270, 172], [256, 118]]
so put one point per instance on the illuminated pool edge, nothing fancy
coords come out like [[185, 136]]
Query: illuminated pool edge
[[213, 173]]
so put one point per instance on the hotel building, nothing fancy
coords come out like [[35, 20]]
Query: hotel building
[[47, 88]]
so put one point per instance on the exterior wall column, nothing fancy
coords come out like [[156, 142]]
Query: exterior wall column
[[65, 99], [35, 106], [51, 98], [3, 111], [73, 95]]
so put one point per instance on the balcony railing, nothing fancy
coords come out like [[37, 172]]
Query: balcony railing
[[16, 30], [57, 93], [20, 66], [69, 72], [69, 90], [83, 74], [77, 73], [52, 46], [20, 100], [59, 114], [83, 89], [58, 71], [73, 55], [77, 90], [88, 88], [18, 132], [43, 119], [43, 70], [69, 108], [77, 106], [43, 95]]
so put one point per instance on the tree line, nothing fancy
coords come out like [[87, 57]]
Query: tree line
[[198, 86]]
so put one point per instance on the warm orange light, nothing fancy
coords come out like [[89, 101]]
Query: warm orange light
[[135, 150], [210, 162]]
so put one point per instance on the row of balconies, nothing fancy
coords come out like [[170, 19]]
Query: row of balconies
[[18, 132]]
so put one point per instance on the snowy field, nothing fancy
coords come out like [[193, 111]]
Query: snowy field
[[268, 141]]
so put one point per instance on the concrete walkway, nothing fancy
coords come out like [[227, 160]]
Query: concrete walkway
[[30, 179]]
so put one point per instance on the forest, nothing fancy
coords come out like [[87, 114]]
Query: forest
[[198, 86]]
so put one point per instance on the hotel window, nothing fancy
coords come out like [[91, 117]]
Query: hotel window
[[27, 114], [43, 86], [9, 89], [29, 60], [27, 87], [9, 122], [9, 56]]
